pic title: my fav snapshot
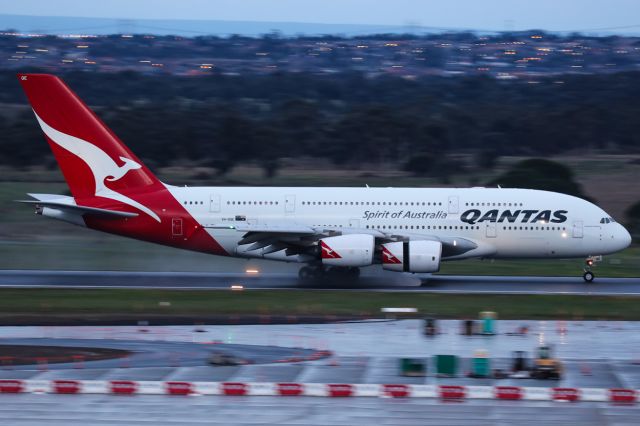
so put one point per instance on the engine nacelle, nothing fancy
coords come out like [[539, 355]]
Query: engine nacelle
[[347, 250], [412, 256]]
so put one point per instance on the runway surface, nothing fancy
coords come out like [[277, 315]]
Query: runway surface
[[300, 411], [269, 281], [611, 345], [159, 354]]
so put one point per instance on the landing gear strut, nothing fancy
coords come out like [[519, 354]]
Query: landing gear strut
[[588, 276]]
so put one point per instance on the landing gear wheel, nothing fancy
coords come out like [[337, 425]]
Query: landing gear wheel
[[588, 276]]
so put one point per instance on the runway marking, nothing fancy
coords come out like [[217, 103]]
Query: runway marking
[[217, 281], [367, 289]]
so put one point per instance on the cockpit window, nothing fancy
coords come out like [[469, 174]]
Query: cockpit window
[[607, 220]]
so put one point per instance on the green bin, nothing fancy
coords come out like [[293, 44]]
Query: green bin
[[413, 367], [481, 367], [446, 365], [488, 320]]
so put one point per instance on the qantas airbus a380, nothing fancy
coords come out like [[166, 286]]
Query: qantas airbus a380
[[327, 229]]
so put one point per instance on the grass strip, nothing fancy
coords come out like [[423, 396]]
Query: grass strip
[[96, 302]]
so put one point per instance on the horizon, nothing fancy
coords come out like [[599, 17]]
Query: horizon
[[324, 16], [101, 26]]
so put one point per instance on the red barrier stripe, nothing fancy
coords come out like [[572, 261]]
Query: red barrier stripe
[[67, 386], [11, 386]]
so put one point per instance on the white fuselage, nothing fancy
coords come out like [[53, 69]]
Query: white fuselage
[[504, 223]]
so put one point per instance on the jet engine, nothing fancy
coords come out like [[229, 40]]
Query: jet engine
[[347, 250], [412, 256]]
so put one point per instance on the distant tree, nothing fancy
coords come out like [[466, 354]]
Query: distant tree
[[487, 158], [632, 215], [269, 145], [540, 174], [438, 166], [420, 164]]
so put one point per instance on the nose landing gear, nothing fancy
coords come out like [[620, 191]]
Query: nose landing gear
[[588, 275]]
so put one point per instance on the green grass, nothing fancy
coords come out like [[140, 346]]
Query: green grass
[[624, 264], [137, 303]]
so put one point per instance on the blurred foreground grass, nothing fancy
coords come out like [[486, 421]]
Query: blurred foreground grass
[[138, 303]]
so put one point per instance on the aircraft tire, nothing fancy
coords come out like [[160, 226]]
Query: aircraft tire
[[588, 276]]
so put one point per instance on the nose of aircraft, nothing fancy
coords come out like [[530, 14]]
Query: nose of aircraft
[[622, 237]]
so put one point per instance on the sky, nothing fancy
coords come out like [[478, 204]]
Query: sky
[[494, 15]]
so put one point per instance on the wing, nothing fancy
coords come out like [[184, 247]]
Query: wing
[[302, 239]]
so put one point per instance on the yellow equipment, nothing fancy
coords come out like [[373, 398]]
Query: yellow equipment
[[545, 366]]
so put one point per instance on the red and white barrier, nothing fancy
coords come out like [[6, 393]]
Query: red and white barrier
[[332, 390], [565, 394], [66, 386], [179, 388], [623, 395], [290, 389], [11, 386], [123, 387], [508, 392]]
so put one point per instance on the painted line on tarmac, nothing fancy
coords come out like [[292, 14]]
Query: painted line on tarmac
[[373, 290]]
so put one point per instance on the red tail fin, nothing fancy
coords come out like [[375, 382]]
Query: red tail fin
[[90, 155], [103, 174]]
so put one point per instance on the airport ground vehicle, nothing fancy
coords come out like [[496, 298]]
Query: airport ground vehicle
[[329, 230], [545, 365]]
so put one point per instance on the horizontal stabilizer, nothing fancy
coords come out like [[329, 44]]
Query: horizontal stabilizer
[[65, 203]]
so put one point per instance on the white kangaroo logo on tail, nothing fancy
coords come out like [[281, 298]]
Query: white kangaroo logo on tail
[[101, 164]]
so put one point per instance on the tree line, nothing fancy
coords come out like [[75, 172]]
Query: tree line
[[347, 119]]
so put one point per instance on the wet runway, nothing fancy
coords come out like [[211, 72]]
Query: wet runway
[[268, 281], [611, 346], [157, 354]]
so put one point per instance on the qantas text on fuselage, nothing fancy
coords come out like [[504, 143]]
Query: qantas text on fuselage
[[474, 216]]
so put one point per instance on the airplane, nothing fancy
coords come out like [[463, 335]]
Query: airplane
[[331, 231]]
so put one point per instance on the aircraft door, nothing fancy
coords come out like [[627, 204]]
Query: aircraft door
[[453, 204], [491, 230], [290, 204], [176, 227], [577, 229], [214, 203]]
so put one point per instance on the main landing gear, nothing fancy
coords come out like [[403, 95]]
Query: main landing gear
[[320, 272], [588, 275]]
